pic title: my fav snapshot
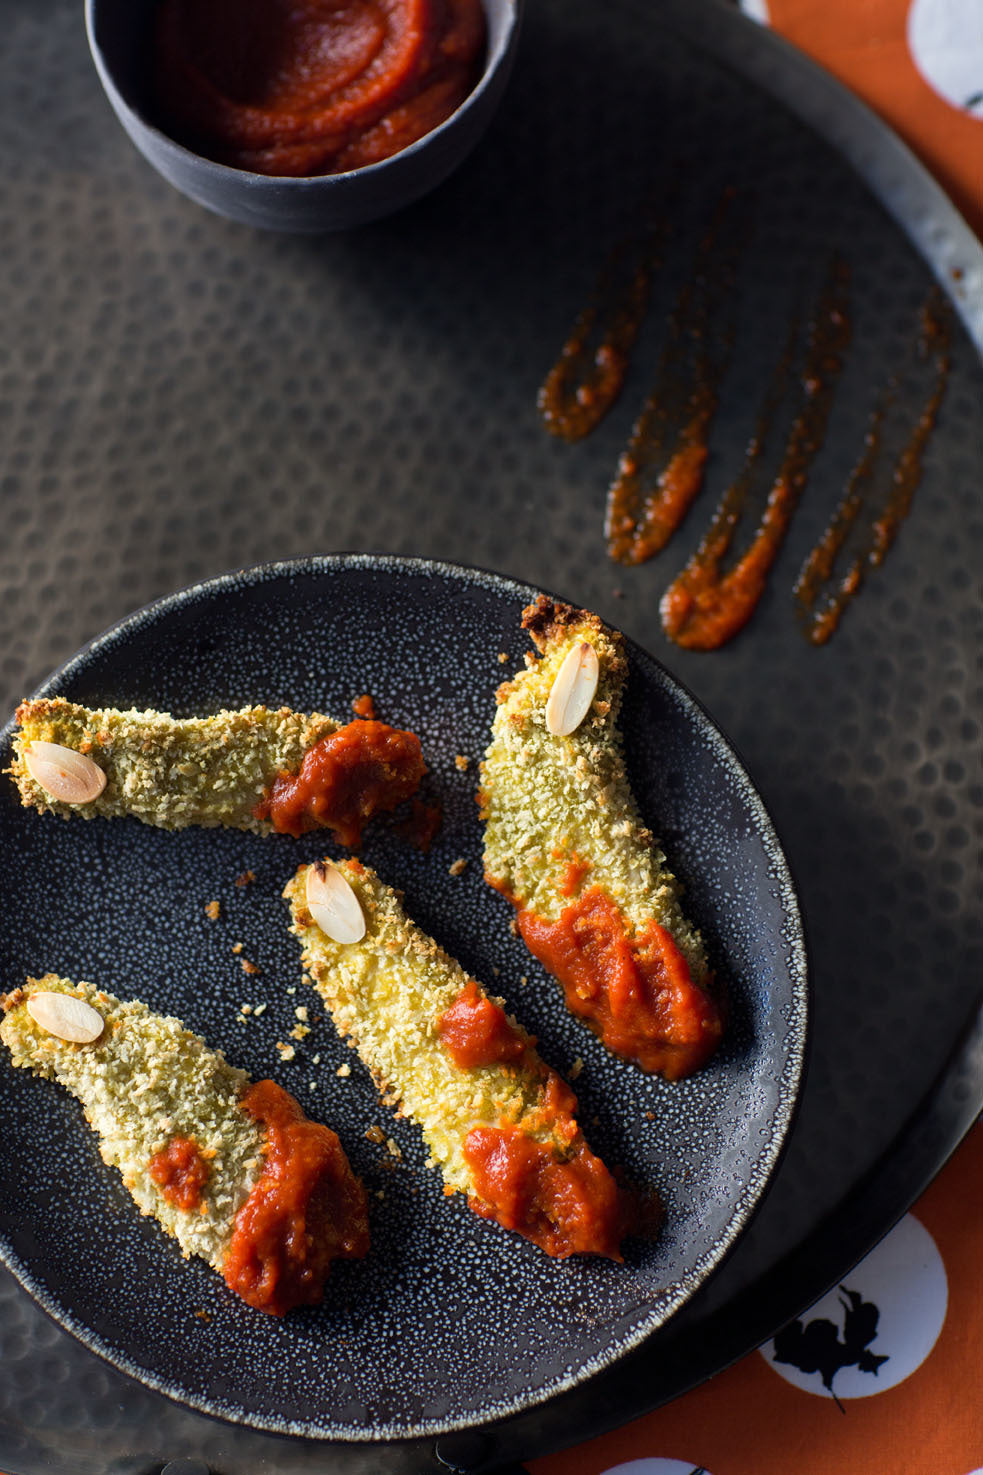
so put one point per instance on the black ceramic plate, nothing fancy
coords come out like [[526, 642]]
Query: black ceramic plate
[[450, 1321]]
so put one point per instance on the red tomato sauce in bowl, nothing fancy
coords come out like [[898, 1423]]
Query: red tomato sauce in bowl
[[311, 87]]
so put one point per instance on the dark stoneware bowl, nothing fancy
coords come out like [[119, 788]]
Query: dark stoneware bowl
[[118, 38], [450, 1322]]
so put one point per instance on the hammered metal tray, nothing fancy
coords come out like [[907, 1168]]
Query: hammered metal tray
[[180, 396]]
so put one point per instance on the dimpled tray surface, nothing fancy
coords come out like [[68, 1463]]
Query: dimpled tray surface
[[180, 396]]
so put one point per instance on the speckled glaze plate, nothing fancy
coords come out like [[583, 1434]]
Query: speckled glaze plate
[[450, 1321]]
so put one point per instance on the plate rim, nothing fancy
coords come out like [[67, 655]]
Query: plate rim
[[797, 1024]]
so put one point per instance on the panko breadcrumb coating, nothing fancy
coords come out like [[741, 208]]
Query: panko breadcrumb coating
[[216, 770], [174, 1117], [502, 1131], [565, 842]]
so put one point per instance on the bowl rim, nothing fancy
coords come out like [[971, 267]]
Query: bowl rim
[[496, 58]]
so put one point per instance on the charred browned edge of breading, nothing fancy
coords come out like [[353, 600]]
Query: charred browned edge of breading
[[49, 709], [28, 709], [11, 1000], [548, 619], [40, 709]]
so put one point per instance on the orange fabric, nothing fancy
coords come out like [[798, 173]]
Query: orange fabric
[[864, 43], [749, 1421]]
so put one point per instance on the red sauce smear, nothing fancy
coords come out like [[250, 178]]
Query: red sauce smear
[[300, 87], [574, 875], [364, 706], [180, 1172], [705, 607], [636, 992], [567, 1206], [475, 1032], [556, 1193], [633, 536], [306, 1209], [590, 372], [358, 771], [821, 615], [423, 825], [661, 472]]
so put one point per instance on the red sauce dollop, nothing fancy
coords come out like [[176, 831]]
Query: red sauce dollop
[[350, 775], [474, 1031], [566, 1206], [299, 87], [576, 871], [636, 992], [180, 1172], [306, 1209]]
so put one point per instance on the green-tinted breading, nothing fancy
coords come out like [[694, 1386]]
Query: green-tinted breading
[[548, 801], [170, 772], [386, 994], [143, 1082]]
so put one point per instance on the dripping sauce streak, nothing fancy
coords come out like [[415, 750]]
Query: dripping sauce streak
[[704, 607], [661, 471], [590, 372], [821, 619]]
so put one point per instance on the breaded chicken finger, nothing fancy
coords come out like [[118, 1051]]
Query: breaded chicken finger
[[564, 841], [254, 769], [498, 1122], [235, 1171]]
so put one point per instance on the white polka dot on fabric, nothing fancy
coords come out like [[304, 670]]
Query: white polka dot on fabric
[[945, 38], [654, 1466], [757, 10], [873, 1330]]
